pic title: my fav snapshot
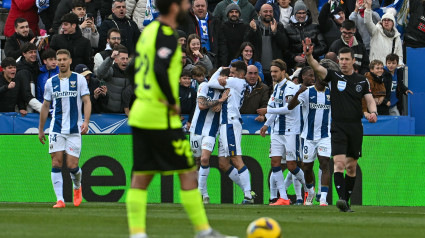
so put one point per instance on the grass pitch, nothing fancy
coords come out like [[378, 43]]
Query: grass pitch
[[169, 220]]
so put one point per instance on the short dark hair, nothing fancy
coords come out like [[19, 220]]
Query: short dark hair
[[225, 72], [348, 24], [121, 49], [302, 72], [71, 18], [47, 54], [78, 3], [199, 70], [112, 30], [240, 66], [27, 47], [280, 64], [8, 61], [344, 50], [186, 72], [392, 57], [163, 6], [19, 20]]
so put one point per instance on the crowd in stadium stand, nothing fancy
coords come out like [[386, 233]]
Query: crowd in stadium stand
[[102, 36]]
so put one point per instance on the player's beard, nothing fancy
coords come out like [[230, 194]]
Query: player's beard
[[181, 17]]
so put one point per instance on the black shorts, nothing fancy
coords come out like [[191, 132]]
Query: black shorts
[[347, 139], [161, 151]]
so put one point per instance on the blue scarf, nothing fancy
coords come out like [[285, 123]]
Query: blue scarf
[[203, 30]]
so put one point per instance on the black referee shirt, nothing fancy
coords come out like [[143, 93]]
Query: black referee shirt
[[347, 92]]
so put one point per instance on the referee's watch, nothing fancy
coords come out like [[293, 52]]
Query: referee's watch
[[376, 113]]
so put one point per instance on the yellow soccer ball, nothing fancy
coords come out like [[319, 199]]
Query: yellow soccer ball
[[264, 227]]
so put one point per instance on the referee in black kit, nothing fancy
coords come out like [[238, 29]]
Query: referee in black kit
[[347, 90]]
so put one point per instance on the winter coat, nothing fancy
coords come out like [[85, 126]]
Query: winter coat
[[257, 98], [233, 34], [415, 34], [77, 45], [96, 104], [26, 73], [400, 89], [297, 32], [128, 28], [279, 39], [9, 98], [116, 82], [378, 89], [360, 53], [247, 15], [64, 7], [24, 9], [205, 62], [187, 97], [12, 48], [380, 44], [100, 57], [361, 26], [42, 78], [252, 62], [136, 10]]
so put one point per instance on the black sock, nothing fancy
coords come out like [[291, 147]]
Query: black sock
[[339, 184], [349, 185]]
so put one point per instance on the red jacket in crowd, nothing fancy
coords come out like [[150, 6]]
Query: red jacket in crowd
[[25, 9]]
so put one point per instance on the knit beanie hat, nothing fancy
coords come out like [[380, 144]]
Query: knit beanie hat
[[232, 6], [389, 14], [299, 5]]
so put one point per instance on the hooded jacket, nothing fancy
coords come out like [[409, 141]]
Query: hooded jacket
[[42, 78], [12, 48], [380, 44], [26, 73], [9, 98], [233, 33], [77, 45], [247, 10]]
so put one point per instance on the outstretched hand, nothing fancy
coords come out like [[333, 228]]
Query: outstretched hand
[[307, 46]]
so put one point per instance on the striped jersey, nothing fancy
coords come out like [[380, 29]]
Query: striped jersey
[[284, 124], [65, 95], [205, 122], [316, 106]]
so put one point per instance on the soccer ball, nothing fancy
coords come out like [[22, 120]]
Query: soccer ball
[[264, 227]]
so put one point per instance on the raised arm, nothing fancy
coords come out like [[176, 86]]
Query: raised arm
[[214, 83], [308, 51]]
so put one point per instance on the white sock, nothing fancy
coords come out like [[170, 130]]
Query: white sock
[[297, 188], [273, 188], [288, 181], [319, 182], [202, 181], [76, 178], [245, 181], [323, 196], [234, 176], [57, 182], [278, 177], [299, 174]]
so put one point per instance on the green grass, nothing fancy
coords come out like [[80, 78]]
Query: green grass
[[169, 220]]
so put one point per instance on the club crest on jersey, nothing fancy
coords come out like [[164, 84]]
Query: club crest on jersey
[[73, 83], [164, 52], [341, 85], [359, 88]]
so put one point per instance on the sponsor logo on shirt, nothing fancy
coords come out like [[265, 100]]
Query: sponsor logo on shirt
[[319, 106], [65, 94]]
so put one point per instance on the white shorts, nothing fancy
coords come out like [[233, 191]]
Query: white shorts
[[70, 143], [230, 140], [199, 143], [312, 148], [286, 146]]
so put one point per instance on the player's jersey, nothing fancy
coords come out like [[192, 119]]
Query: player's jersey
[[316, 106], [285, 124], [230, 108], [65, 95], [206, 122]]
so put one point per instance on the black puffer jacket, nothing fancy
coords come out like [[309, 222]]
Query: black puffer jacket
[[64, 7], [297, 32], [13, 44], [26, 73], [77, 45], [233, 33]]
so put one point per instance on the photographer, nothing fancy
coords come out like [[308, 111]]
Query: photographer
[[98, 89], [86, 22]]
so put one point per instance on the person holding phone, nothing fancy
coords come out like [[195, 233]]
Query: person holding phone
[[86, 22], [97, 88]]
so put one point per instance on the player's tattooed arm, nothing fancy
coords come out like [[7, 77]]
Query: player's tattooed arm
[[204, 103]]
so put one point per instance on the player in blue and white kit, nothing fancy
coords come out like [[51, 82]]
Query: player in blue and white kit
[[203, 130], [66, 91], [285, 128], [231, 127], [316, 105]]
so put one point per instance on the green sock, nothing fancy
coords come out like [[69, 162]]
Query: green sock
[[192, 203], [136, 210]]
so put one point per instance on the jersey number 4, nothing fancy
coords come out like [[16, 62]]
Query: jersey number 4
[[145, 61]]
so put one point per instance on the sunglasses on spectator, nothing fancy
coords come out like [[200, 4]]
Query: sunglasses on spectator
[[115, 38]]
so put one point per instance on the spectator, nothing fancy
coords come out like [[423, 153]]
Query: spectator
[[10, 89], [22, 9], [98, 90], [207, 27], [300, 27], [269, 38], [184, 58], [415, 31], [233, 30], [195, 55], [380, 91], [72, 40], [22, 35], [112, 72], [358, 17], [129, 31], [398, 89], [142, 12], [47, 70], [348, 39], [199, 74], [86, 22], [247, 54], [26, 73], [113, 39], [385, 38], [65, 6], [330, 23], [105, 8], [247, 11], [182, 37], [257, 94], [46, 11], [187, 96]]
